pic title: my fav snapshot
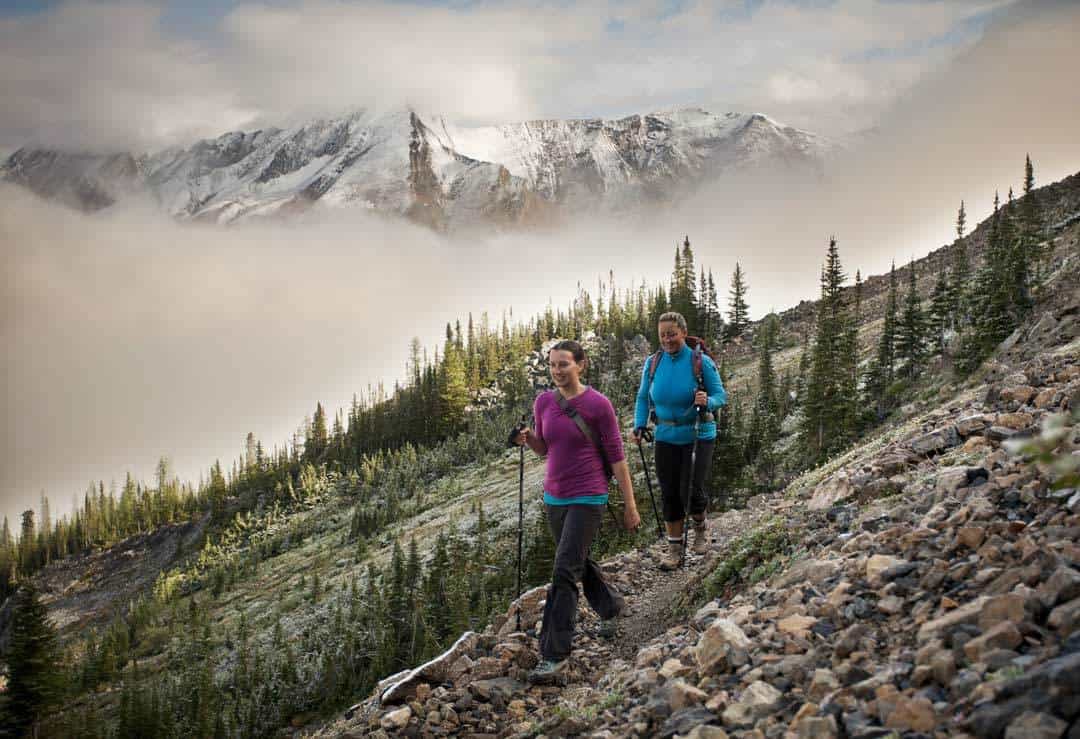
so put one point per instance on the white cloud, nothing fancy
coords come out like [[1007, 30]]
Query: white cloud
[[108, 75]]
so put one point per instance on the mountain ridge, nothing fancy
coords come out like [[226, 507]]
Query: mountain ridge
[[431, 171]]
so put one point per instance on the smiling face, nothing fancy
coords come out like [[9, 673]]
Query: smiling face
[[565, 371], [671, 336]]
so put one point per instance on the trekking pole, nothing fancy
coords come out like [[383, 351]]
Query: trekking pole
[[521, 519], [699, 412], [647, 435], [521, 506]]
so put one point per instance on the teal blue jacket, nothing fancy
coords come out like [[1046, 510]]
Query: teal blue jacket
[[672, 395]]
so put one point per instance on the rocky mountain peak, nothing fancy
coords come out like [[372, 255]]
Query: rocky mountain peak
[[427, 169]]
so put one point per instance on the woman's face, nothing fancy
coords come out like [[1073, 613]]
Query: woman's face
[[565, 372], [672, 337]]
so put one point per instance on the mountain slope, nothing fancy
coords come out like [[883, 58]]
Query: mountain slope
[[924, 583], [285, 575], [430, 171]]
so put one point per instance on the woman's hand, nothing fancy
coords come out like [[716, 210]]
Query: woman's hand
[[631, 518], [701, 399], [522, 437]]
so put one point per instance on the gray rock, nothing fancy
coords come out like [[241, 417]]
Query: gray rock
[[969, 425], [684, 721], [395, 720], [1052, 687], [834, 490], [503, 687], [951, 479], [1066, 617], [723, 646], [935, 441], [762, 698], [999, 433], [965, 614], [1032, 725], [738, 716], [1063, 585], [817, 727], [814, 571]]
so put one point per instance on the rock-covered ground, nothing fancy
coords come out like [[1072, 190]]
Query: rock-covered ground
[[925, 584]]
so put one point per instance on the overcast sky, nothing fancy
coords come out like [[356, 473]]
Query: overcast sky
[[127, 336], [121, 74]]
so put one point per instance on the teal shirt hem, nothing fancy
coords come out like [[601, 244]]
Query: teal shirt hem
[[550, 499]]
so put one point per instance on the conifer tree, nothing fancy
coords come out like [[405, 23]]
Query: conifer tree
[[318, 438], [453, 391], [738, 310], [851, 408], [940, 309], [883, 369], [993, 295], [33, 673], [1019, 262], [728, 452], [683, 286], [765, 421], [8, 561], [958, 288], [825, 424], [436, 593], [1031, 227], [911, 334]]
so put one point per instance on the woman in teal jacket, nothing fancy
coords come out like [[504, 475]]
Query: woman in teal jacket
[[673, 393]]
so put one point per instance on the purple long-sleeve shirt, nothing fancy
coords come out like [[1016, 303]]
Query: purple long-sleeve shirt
[[574, 468]]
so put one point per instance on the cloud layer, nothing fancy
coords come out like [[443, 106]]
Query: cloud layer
[[120, 75]]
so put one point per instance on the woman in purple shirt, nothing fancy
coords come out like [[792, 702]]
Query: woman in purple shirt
[[575, 494]]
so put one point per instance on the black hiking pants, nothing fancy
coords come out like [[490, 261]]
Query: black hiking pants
[[574, 528], [672, 469]]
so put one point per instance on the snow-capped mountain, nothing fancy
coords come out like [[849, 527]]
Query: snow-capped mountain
[[430, 171]]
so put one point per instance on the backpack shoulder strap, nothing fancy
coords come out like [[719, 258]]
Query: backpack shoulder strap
[[584, 427], [654, 362], [696, 363]]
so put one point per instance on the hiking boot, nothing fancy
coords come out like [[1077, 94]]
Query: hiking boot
[[548, 672], [607, 629], [672, 560], [701, 537]]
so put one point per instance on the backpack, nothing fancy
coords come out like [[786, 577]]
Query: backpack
[[699, 349]]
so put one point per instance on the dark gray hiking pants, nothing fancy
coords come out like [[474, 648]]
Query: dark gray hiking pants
[[672, 469], [574, 528]]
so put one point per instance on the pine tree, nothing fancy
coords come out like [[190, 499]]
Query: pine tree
[[436, 592], [911, 336], [940, 308], [882, 372], [728, 451], [958, 288], [765, 421], [453, 392], [1020, 259], [33, 673], [825, 424], [1031, 227], [738, 310], [683, 286], [849, 391], [995, 288], [318, 438]]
